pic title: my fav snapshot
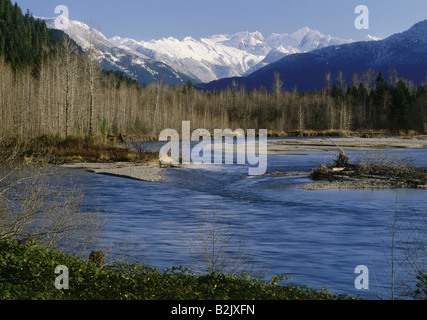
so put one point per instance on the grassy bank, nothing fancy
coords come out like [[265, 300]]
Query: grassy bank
[[81, 149], [27, 272]]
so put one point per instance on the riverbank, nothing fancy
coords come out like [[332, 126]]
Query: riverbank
[[140, 171], [150, 171], [97, 155], [280, 146], [115, 159]]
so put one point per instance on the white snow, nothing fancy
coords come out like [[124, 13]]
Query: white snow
[[206, 59], [371, 38], [225, 55]]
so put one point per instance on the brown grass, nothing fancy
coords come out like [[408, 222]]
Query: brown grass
[[383, 164], [79, 149], [374, 165]]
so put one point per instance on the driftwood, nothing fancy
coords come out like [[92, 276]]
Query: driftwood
[[284, 174]]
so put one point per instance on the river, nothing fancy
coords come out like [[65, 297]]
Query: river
[[317, 238]]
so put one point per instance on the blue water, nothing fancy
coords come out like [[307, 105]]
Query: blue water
[[315, 237]]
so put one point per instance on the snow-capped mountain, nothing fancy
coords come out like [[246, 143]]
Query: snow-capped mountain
[[174, 61], [111, 57], [371, 38], [402, 53], [303, 40], [221, 56], [205, 59]]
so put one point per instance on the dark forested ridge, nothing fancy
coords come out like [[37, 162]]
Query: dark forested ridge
[[403, 53], [23, 39], [49, 86]]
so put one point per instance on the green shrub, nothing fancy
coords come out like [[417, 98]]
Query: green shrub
[[105, 129], [421, 286], [27, 273]]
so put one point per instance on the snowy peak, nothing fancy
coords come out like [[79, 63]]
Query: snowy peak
[[207, 59], [403, 54], [251, 42], [202, 60], [303, 40], [371, 38], [80, 32], [304, 34], [120, 58], [224, 55]]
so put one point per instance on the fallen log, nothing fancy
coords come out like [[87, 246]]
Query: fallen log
[[284, 174]]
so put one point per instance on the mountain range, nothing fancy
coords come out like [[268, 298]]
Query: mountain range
[[404, 54], [302, 58], [223, 55], [111, 57], [175, 61]]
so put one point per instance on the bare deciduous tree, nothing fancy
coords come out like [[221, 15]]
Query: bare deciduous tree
[[36, 203], [218, 250], [405, 254], [277, 86]]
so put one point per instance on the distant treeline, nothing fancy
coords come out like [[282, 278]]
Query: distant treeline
[[50, 87]]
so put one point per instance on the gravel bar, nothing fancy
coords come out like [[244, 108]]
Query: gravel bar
[[146, 172]]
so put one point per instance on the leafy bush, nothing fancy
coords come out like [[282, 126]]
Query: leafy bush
[[421, 286], [27, 273]]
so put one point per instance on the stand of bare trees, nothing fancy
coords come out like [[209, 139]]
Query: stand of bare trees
[[69, 95]]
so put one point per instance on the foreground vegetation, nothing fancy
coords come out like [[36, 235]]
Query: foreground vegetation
[[27, 272]]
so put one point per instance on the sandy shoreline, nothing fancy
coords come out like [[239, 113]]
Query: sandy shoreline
[[283, 146], [153, 173], [145, 172], [347, 144]]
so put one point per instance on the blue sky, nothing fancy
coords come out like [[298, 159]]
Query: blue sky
[[146, 20]]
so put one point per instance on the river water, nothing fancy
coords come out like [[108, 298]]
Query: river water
[[315, 237]]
